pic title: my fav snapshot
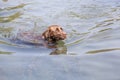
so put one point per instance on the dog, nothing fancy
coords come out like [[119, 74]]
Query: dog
[[53, 34]]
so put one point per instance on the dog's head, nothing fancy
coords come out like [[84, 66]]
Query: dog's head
[[54, 33]]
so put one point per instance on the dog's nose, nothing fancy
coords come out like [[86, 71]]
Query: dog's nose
[[64, 33]]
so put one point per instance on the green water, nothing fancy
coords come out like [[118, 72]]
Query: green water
[[90, 52]]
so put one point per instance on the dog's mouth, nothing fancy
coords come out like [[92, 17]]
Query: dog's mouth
[[62, 37], [56, 38]]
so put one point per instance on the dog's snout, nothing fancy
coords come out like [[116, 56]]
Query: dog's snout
[[64, 33]]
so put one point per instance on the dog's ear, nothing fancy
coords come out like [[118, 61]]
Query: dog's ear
[[49, 31], [45, 35]]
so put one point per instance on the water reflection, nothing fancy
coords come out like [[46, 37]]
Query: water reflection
[[102, 51], [10, 18], [5, 0], [6, 16], [6, 31], [14, 7], [60, 48], [104, 23], [4, 52]]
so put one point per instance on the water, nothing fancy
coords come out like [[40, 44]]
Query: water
[[90, 52]]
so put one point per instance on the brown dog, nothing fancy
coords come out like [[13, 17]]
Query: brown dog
[[54, 33]]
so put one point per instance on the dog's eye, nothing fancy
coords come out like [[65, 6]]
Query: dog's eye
[[50, 31], [61, 28], [57, 29]]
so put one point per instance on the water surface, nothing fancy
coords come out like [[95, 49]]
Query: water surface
[[91, 50]]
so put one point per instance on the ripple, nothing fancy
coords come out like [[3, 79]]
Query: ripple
[[4, 52], [102, 50], [14, 7], [10, 18]]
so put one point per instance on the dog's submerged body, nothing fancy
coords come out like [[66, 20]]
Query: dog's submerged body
[[53, 34]]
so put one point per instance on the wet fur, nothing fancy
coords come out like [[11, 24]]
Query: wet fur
[[54, 33]]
